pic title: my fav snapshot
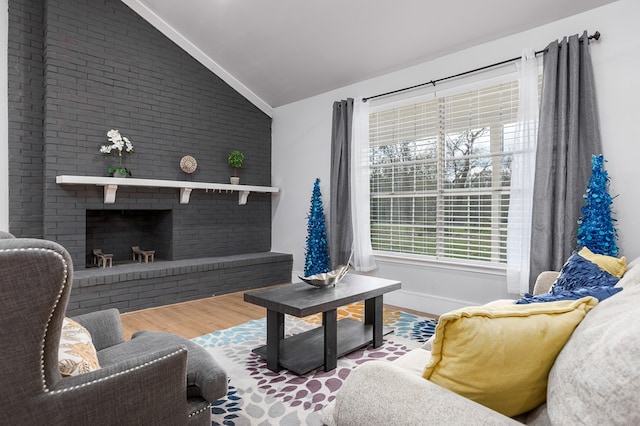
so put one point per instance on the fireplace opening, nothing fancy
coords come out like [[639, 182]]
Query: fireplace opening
[[116, 231]]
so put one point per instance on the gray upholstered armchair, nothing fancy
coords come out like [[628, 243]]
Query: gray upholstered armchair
[[155, 378]]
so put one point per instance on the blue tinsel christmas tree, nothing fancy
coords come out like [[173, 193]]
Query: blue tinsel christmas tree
[[317, 251], [596, 230]]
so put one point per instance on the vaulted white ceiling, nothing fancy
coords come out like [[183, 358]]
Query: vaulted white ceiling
[[280, 51]]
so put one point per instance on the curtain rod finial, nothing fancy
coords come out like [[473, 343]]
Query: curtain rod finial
[[596, 35]]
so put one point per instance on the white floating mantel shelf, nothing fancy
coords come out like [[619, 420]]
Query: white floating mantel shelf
[[111, 185]]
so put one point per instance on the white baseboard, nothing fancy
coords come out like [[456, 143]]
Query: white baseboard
[[424, 302]]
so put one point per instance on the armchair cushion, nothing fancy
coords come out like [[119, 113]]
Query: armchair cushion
[[205, 378], [500, 356], [104, 326], [76, 353]]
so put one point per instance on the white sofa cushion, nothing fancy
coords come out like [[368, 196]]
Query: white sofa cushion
[[382, 393], [414, 361], [596, 379], [632, 277]]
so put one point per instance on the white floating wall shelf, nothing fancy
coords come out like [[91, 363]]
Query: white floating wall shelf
[[111, 185]]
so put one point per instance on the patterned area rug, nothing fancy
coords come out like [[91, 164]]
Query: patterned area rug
[[258, 396]]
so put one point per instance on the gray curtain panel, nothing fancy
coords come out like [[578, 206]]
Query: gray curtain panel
[[340, 228], [568, 135]]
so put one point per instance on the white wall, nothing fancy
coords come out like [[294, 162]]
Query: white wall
[[302, 133]]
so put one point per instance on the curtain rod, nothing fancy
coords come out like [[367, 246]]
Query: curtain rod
[[595, 36]]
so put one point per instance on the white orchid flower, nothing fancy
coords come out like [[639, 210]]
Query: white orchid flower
[[117, 142], [128, 144]]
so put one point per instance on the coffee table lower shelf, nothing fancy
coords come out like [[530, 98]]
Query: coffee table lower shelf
[[304, 352]]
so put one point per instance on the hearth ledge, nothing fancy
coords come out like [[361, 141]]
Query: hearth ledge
[[111, 184]]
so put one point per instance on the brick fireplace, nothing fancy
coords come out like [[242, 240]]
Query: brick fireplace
[[211, 246], [79, 69]]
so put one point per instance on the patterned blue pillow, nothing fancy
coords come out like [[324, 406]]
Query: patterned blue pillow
[[579, 278], [599, 293], [580, 272]]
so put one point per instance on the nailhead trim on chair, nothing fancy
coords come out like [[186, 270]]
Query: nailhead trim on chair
[[200, 411], [119, 373], [55, 304]]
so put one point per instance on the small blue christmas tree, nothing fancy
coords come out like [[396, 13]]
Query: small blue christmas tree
[[317, 251], [596, 230]]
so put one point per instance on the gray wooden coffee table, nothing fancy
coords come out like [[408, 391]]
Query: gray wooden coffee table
[[320, 346]]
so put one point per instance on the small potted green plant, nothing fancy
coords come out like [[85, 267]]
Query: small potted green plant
[[236, 159]]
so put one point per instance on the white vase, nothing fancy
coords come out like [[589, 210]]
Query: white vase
[[120, 173], [234, 180]]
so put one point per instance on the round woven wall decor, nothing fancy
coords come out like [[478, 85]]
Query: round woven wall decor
[[188, 164]]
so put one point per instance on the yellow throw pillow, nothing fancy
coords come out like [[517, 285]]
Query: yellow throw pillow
[[500, 356], [613, 265], [76, 354]]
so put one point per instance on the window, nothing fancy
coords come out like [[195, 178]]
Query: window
[[440, 174]]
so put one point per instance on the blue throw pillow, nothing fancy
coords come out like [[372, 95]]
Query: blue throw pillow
[[599, 293], [580, 272], [579, 278]]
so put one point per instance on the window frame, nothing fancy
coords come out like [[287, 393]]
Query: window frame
[[447, 89]]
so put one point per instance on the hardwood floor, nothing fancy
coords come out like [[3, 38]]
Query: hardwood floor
[[198, 317], [195, 318]]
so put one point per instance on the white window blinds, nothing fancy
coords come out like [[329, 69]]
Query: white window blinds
[[440, 173]]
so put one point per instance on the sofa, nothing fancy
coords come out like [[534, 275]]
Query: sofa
[[593, 380], [80, 371]]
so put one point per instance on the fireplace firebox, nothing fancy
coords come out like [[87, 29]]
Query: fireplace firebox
[[116, 231]]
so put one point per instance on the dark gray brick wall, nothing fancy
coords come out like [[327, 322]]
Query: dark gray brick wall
[[78, 68], [26, 116], [105, 67]]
